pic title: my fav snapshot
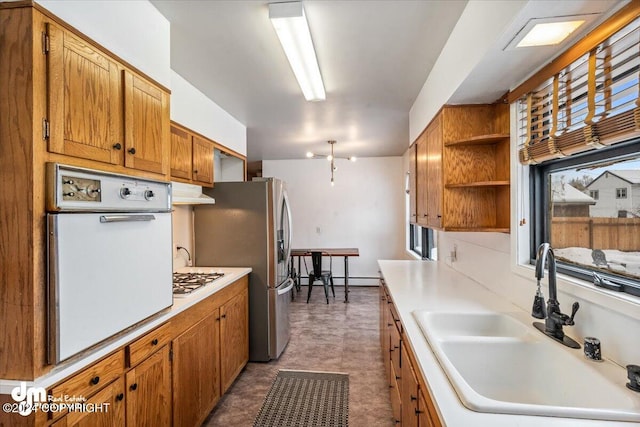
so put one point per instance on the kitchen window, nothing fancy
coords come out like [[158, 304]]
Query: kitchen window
[[590, 234], [422, 241]]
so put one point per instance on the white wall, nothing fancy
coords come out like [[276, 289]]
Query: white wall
[[365, 208], [191, 108], [134, 30], [480, 24]]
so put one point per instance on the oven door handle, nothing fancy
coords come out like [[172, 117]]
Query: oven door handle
[[126, 218]]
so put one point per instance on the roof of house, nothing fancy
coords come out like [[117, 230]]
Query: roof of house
[[631, 176], [564, 193]]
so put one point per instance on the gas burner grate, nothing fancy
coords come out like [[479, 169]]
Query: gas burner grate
[[185, 283]]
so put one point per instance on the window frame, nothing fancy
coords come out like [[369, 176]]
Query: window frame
[[427, 241], [540, 209], [594, 194], [621, 193]]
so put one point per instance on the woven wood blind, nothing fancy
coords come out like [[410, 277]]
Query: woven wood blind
[[592, 103]]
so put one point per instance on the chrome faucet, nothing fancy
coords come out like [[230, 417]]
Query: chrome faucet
[[554, 318]]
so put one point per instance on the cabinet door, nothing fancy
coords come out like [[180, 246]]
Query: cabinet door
[[425, 416], [422, 183], [146, 123], [180, 153], [409, 392], [84, 100], [434, 174], [111, 403], [396, 402], [148, 395], [412, 184], [234, 338], [196, 371], [202, 161]]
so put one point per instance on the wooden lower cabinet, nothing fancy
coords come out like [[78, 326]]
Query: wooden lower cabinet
[[396, 398], [409, 392], [411, 403], [148, 391], [196, 372], [109, 405], [234, 338]]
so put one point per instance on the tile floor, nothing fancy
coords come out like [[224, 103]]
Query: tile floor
[[334, 337]]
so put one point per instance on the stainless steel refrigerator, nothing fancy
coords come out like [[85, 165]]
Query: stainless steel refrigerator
[[250, 226]]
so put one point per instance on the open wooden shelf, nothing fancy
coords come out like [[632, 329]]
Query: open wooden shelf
[[486, 229], [479, 184], [479, 140]]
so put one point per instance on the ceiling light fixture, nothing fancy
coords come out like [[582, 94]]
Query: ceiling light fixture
[[331, 158], [292, 28], [548, 31]]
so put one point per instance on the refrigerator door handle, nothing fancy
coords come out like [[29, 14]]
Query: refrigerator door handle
[[287, 288], [290, 233]]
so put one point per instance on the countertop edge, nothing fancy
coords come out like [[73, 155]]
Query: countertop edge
[[180, 304], [405, 280]]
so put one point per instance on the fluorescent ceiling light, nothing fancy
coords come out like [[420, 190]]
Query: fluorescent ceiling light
[[290, 24], [548, 31]]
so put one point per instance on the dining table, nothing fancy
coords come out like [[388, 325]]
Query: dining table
[[338, 252]]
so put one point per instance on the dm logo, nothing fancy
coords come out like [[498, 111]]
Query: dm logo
[[27, 397]]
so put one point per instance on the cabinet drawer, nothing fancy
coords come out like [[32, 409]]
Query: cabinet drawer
[[143, 347], [93, 378]]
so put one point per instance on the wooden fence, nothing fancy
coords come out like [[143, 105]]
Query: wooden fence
[[596, 233]]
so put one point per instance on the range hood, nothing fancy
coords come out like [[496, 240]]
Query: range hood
[[189, 194]]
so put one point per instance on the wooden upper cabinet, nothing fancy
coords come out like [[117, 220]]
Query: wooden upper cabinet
[[192, 156], [100, 110], [422, 182], [85, 115], [412, 184], [181, 149], [463, 169], [434, 174], [202, 161], [146, 112]]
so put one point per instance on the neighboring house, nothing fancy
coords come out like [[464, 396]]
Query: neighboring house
[[569, 201], [617, 194]]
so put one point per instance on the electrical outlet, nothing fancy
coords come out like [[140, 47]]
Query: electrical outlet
[[453, 255]]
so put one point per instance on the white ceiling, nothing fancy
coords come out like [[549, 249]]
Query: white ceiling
[[374, 56]]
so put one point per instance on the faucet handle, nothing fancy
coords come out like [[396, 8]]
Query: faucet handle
[[574, 310]]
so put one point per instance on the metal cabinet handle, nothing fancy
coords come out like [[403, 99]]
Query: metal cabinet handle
[[132, 150], [117, 146], [95, 380], [154, 342], [133, 387], [119, 397]]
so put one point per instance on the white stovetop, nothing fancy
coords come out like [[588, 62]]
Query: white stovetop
[[424, 285], [179, 305]]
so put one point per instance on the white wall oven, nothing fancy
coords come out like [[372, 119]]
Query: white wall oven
[[109, 255]]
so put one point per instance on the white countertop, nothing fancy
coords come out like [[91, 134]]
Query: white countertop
[[180, 304], [425, 285]]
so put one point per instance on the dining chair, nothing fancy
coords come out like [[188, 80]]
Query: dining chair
[[317, 273]]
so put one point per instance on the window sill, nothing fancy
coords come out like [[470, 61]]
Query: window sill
[[626, 304], [413, 255]]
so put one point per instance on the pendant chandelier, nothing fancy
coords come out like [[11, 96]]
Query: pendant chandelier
[[331, 158]]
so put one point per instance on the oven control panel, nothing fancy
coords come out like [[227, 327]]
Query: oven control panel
[[76, 189]]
